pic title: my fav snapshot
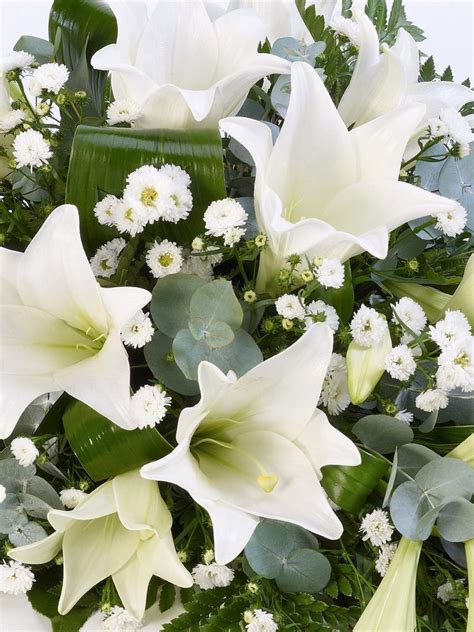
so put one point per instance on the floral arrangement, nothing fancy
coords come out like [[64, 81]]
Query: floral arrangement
[[236, 307]]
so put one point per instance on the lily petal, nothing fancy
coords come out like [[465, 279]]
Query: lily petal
[[39, 552], [122, 303], [99, 503], [9, 263]]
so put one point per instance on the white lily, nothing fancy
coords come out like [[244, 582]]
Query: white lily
[[121, 530], [59, 329], [182, 68], [253, 447], [382, 82], [324, 191]]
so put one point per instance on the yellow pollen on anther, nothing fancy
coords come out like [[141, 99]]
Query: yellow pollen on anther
[[267, 482]]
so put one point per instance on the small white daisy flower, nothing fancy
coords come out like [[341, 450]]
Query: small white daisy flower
[[262, 622], [138, 331], [104, 263], [319, 311], [50, 77], [335, 390], [120, 620], [330, 273], [177, 174], [149, 405], [453, 221], [104, 210], [10, 120], [164, 258], [410, 313], [129, 218], [447, 592], [458, 127], [376, 527], [208, 576], [15, 60], [71, 497], [179, 204], [451, 329], [150, 190], [233, 235], [400, 363], [15, 579], [367, 326], [290, 306], [346, 27], [404, 415], [3, 493], [456, 366], [24, 450], [386, 554], [222, 215], [30, 149], [431, 400], [122, 111]]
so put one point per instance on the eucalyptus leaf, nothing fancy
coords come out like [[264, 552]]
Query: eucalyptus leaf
[[12, 519], [305, 570], [411, 458], [41, 49], [382, 432], [14, 476], [280, 95], [295, 50], [160, 358], [215, 302], [33, 506], [215, 335], [171, 300], [27, 534], [407, 507], [445, 479], [41, 489], [456, 521], [456, 180]]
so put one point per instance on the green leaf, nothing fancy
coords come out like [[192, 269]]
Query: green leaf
[[105, 450], [215, 335], [167, 597], [447, 74], [445, 479], [160, 358], [12, 519], [27, 534], [39, 488], [33, 506], [305, 570], [14, 476], [407, 507], [382, 432], [41, 49], [171, 302], [456, 521], [216, 301], [411, 458], [427, 70], [102, 158]]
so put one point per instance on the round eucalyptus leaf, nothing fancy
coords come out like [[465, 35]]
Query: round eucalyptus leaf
[[407, 507], [160, 358], [280, 95], [456, 180], [411, 458], [11, 519], [27, 534], [171, 301], [13, 475], [217, 334], [41, 489], [216, 302], [445, 479], [305, 570], [382, 432], [33, 506], [456, 521], [428, 171], [295, 50]]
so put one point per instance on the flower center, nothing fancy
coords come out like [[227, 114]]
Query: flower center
[[165, 260], [148, 196]]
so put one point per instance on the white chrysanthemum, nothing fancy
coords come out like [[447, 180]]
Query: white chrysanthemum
[[457, 126], [386, 553], [222, 215], [447, 592], [71, 497], [404, 415], [400, 363], [233, 235], [179, 204], [319, 311], [452, 222], [164, 258], [346, 27], [122, 111], [149, 190], [120, 620], [50, 77], [431, 400], [177, 174], [262, 622], [104, 263], [16, 59], [138, 331], [15, 579], [129, 218], [330, 273], [410, 313], [208, 576], [3, 493], [149, 405], [335, 390], [368, 326], [450, 330], [104, 210], [376, 527], [290, 306], [30, 149], [24, 450], [456, 366], [9, 120]]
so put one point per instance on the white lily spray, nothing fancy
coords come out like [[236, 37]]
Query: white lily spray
[[59, 329], [253, 447], [322, 191]]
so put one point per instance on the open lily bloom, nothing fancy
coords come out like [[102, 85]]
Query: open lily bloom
[[181, 67], [281, 17], [253, 447], [59, 329], [324, 191], [383, 82], [121, 530]]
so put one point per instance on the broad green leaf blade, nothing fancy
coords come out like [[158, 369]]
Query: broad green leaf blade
[[305, 570], [102, 158], [41, 49], [382, 432], [105, 450]]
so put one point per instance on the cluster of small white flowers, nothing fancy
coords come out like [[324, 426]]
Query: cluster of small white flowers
[[368, 326], [346, 27], [431, 400], [457, 128], [15, 579], [226, 218], [404, 415], [15, 60], [290, 306], [453, 221], [138, 331], [11, 119], [24, 451], [410, 313], [164, 258], [122, 111], [400, 363], [71, 497], [448, 591], [120, 620], [386, 553], [105, 261], [151, 194], [31, 149], [330, 273], [261, 621], [453, 328], [212, 575], [319, 311], [148, 406], [376, 527], [456, 366], [49, 77], [3, 493], [335, 390]]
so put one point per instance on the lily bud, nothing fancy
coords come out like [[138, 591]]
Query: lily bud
[[365, 367], [463, 298]]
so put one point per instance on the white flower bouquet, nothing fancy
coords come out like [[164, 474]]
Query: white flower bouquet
[[237, 361]]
